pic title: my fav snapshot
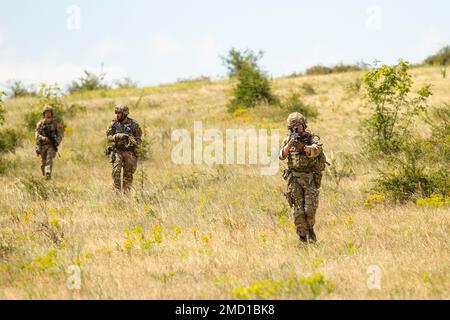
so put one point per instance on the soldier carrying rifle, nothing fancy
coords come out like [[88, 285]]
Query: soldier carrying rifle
[[306, 162], [124, 134], [49, 134]]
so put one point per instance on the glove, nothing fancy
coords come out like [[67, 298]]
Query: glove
[[132, 141], [45, 140], [119, 136]]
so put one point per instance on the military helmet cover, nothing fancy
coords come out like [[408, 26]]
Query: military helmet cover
[[47, 108], [295, 119], [122, 108]]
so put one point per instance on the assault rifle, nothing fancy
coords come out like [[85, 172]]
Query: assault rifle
[[125, 129], [51, 135], [300, 138]]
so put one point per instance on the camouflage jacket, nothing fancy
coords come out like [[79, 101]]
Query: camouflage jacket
[[297, 158], [131, 128], [45, 129]]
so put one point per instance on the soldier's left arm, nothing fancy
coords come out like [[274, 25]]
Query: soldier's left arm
[[316, 146], [59, 131], [110, 132], [137, 133]]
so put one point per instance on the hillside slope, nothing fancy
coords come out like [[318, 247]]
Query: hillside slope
[[211, 232]]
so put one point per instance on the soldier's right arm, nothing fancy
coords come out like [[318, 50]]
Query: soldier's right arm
[[283, 154], [38, 133], [110, 132]]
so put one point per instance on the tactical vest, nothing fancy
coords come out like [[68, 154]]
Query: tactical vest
[[298, 161], [48, 129], [125, 128]]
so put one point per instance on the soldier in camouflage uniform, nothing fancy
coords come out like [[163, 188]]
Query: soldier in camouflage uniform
[[306, 161], [49, 134], [125, 135]]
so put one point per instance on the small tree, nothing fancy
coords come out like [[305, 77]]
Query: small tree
[[236, 60], [18, 89], [253, 86], [388, 92], [8, 137], [442, 59], [88, 82], [125, 83]]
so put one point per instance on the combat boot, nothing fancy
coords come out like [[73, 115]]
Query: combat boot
[[303, 239], [48, 176], [312, 236]]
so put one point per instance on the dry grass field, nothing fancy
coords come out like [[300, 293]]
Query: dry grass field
[[211, 232]]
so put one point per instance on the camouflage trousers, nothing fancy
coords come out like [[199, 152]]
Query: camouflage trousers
[[47, 154], [125, 161], [304, 201]]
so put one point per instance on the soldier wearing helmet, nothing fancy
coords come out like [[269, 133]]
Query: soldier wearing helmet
[[124, 134], [306, 161], [49, 134]]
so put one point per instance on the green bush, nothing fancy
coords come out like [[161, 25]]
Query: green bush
[[411, 176], [236, 60], [8, 140], [441, 58], [420, 169], [2, 108], [388, 93], [18, 89], [339, 68], [31, 118], [294, 103], [253, 86], [125, 83], [88, 82]]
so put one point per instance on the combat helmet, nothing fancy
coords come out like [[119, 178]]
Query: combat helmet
[[47, 108], [122, 108], [295, 119]]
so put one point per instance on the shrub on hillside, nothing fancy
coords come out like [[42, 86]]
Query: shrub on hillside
[[253, 86], [388, 91], [88, 82], [294, 103], [2, 108], [410, 175], [442, 57], [8, 140], [236, 60], [18, 89], [339, 68], [125, 83], [413, 166]]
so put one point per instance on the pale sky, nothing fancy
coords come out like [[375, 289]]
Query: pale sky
[[157, 42]]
